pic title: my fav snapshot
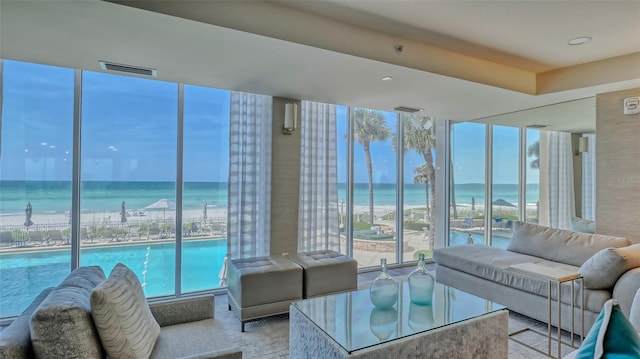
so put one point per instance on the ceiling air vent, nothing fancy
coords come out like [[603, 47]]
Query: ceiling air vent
[[407, 109], [128, 69], [536, 126]]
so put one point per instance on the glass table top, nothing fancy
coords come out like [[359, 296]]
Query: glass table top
[[355, 323]]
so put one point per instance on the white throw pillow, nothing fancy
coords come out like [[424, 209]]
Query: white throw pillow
[[122, 316], [634, 314], [603, 269]]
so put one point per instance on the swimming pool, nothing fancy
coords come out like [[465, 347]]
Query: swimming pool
[[24, 275], [458, 238]]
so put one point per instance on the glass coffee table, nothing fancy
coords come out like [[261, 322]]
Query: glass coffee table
[[347, 325]]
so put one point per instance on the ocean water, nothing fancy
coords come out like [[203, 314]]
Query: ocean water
[[99, 196]]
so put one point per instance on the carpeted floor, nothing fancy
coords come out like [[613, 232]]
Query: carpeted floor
[[269, 337]]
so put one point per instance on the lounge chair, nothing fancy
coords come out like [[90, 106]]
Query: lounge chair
[[134, 230], [115, 235], [84, 235], [195, 229], [154, 230], [36, 236], [55, 235], [467, 223], [6, 239]]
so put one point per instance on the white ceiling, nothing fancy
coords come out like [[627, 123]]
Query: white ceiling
[[531, 35], [307, 50]]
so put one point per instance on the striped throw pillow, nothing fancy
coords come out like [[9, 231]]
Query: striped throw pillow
[[122, 316]]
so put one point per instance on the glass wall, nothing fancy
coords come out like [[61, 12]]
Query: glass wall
[[342, 131], [382, 171], [129, 145], [467, 176], [35, 180], [532, 168], [374, 186], [505, 185], [204, 196], [419, 223], [129, 142]]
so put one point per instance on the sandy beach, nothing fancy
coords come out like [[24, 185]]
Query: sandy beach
[[413, 240], [111, 218]]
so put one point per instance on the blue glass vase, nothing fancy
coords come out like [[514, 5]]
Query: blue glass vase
[[384, 289], [421, 284]]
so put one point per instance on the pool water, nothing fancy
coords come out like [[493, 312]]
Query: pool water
[[500, 240], [24, 275]]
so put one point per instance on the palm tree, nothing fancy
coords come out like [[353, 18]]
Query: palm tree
[[534, 151], [421, 177], [369, 127], [419, 136]]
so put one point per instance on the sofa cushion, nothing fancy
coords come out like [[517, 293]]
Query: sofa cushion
[[559, 245], [583, 225], [634, 314], [193, 339], [611, 336], [61, 326], [123, 318], [492, 264], [15, 340], [603, 269]]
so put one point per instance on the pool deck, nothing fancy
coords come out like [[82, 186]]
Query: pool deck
[[100, 243]]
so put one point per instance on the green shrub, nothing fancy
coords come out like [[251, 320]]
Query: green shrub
[[427, 254], [415, 226]]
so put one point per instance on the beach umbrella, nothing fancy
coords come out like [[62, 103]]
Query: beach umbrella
[[204, 210], [123, 214], [502, 203], [163, 204], [27, 214]]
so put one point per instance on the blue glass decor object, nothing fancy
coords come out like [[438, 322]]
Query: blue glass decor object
[[421, 284], [384, 289]]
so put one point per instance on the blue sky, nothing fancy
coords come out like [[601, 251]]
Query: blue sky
[[129, 132]]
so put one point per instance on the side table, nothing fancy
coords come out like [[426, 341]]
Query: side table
[[558, 276]]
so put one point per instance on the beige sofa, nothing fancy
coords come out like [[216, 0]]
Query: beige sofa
[[610, 266], [59, 324]]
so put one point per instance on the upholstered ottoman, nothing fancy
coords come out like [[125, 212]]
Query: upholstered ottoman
[[262, 286], [326, 272]]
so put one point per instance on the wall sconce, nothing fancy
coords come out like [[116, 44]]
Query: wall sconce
[[583, 145], [290, 118]]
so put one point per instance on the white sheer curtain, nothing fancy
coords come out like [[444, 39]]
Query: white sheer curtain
[[561, 195], [589, 179], [249, 217], [318, 222]]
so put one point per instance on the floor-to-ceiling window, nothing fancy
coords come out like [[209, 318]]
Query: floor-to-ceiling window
[[418, 212], [35, 180], [342, 153], [386, 192], [204, 197], [130, 176], [505, 184], [374, 186], [532, 168], [467, 177]]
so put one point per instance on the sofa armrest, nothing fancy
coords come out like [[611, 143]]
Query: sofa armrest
[[15, 340], [625, 289], [183, 310], [229, 353]]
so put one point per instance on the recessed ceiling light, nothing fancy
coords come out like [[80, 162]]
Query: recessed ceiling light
[[387, 78], [579, 40]]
